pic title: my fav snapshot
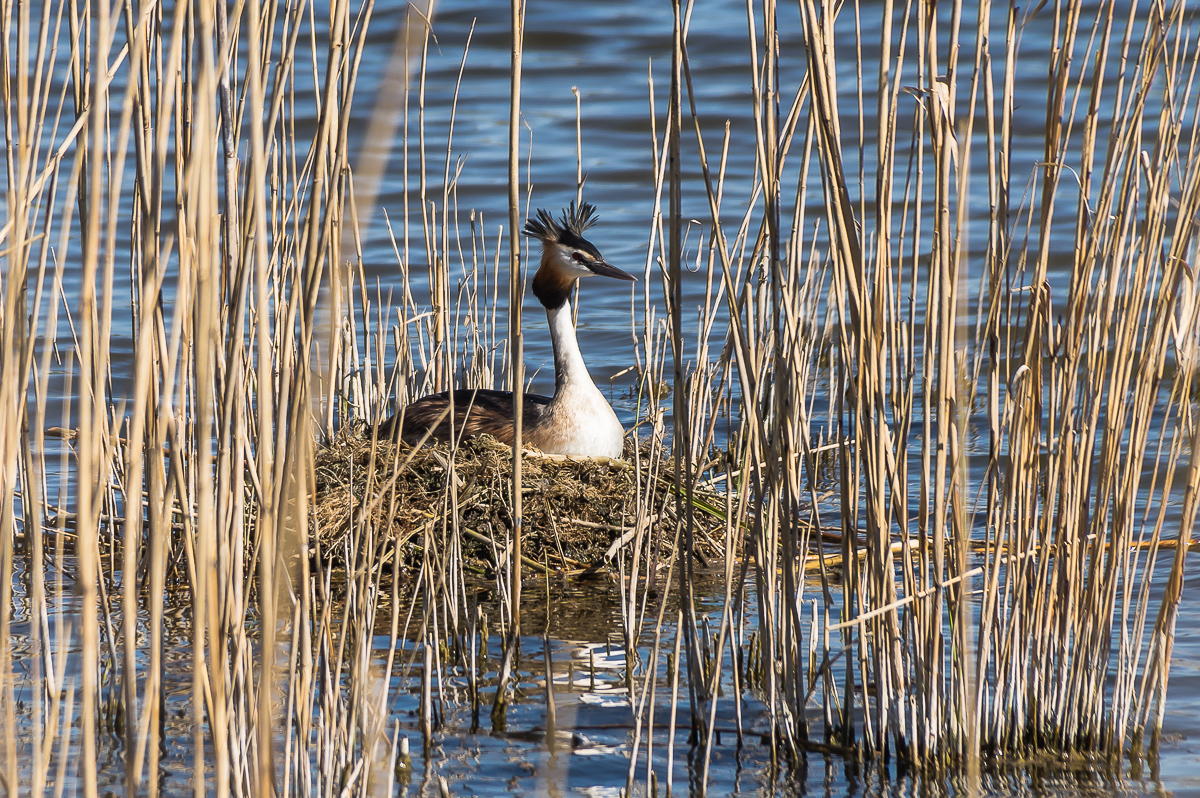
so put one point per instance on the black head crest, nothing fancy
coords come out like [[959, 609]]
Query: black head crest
[[567, 229]]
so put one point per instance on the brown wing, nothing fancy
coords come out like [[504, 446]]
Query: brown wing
[[475, 412]]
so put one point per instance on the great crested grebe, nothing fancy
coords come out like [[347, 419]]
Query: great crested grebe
[[577, 420]]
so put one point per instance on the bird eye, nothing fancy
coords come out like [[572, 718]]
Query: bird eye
[[577, 255]]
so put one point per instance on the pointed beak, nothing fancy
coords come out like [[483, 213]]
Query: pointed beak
[[605, 269]]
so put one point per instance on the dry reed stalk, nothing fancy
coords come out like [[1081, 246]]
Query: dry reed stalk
[[673, 291], [14, 351], [515, 292]]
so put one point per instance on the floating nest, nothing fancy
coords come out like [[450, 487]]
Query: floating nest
[[577, 514]]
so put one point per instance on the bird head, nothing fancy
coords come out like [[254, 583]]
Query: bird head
[[566, 254]]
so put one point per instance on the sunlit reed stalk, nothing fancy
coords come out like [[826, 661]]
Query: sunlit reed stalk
[[13, 349]]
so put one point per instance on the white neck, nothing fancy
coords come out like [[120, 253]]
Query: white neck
[[569, 369], [578, 420]]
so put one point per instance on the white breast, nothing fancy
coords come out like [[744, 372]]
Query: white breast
[[579, 422]]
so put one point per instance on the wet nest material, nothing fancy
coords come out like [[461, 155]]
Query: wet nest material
[[576, 513]]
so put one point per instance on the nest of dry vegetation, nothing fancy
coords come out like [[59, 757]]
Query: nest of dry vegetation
[[577, 513]]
